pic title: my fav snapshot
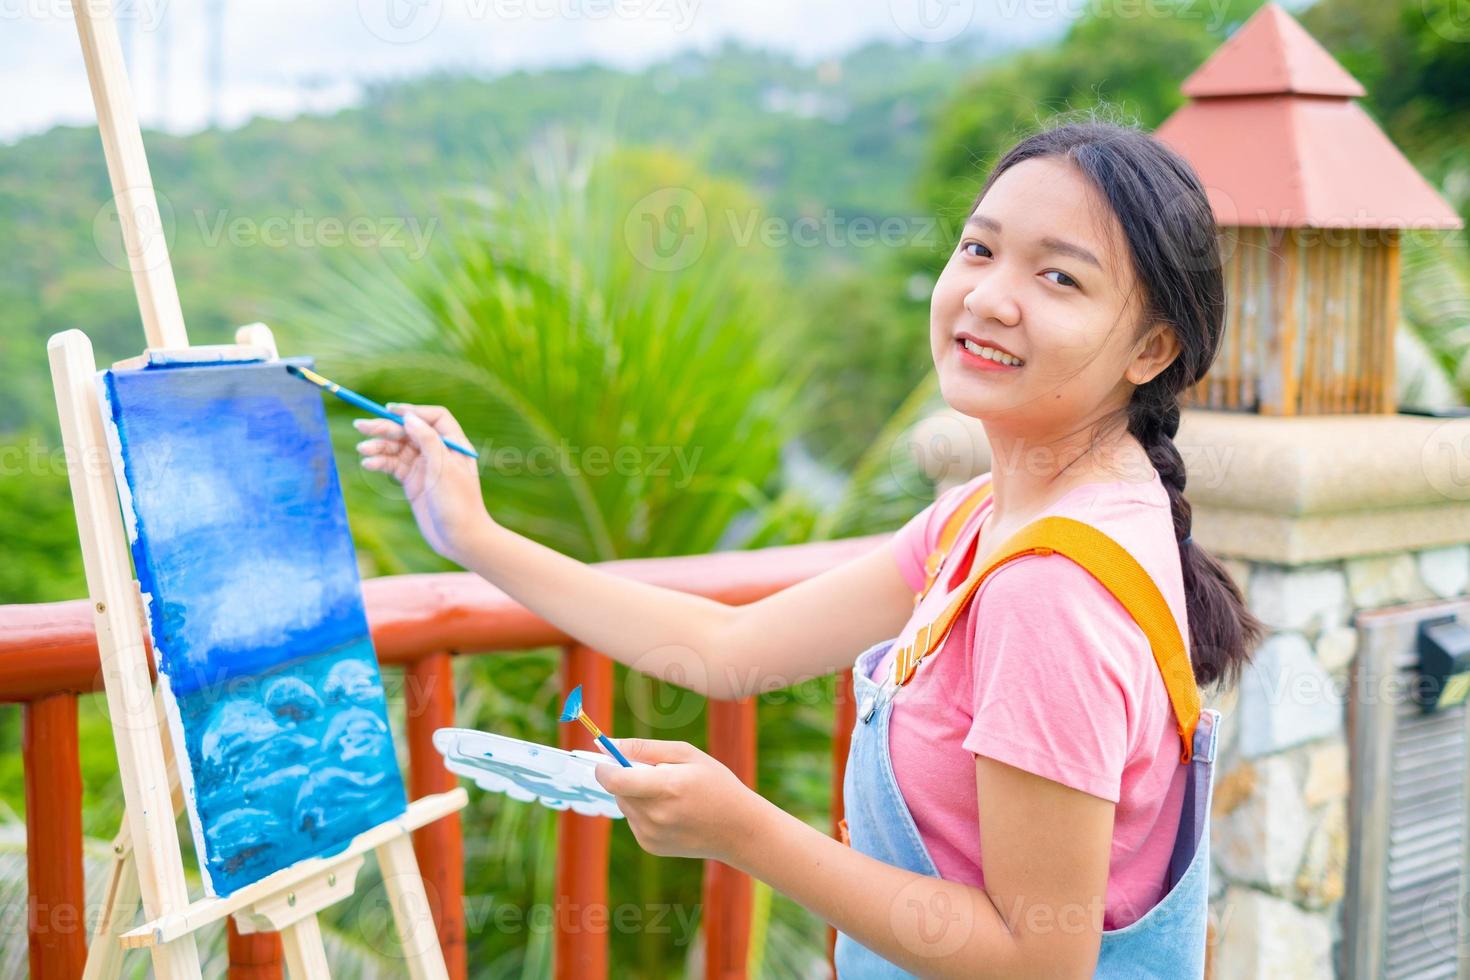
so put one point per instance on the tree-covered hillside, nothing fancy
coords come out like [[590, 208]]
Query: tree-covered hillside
[[249, 212]]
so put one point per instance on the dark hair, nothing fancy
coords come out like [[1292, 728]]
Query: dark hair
[[1159, 202]]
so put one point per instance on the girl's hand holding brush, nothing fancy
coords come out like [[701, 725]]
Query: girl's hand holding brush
[[442, 487]]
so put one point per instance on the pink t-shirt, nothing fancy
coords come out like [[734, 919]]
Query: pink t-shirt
[[1045, 671]]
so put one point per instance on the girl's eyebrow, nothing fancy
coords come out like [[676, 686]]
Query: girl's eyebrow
[[1048, 243]]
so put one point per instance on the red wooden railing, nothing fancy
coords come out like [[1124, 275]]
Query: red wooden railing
[[48, 655]]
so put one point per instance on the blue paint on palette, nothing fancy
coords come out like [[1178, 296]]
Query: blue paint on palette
[[240, 541]]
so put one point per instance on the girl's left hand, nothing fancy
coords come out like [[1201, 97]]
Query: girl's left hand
[[687, 805]]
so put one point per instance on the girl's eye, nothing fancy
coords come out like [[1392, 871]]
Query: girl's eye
[[975, 250]]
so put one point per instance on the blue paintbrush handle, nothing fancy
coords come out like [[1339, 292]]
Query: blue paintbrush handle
[[607, 744], [368, 405]]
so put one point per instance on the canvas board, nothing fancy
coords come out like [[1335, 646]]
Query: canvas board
[[240, 543]]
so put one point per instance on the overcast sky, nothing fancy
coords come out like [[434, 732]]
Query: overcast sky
[[282, 58]]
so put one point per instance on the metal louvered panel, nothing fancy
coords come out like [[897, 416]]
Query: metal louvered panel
[[1409, 863], [1426, 833]]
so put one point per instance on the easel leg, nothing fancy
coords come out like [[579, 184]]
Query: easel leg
[[120, 901], [120, 630], [411, 911], [306, 957], [105, 954], [132, 185]]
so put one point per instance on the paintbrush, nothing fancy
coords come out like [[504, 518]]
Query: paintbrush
[[366, 404], [573, 712]]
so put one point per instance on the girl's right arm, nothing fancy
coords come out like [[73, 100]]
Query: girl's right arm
[[811, 629]]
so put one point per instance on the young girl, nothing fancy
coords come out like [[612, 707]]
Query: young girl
[[1019, 805]]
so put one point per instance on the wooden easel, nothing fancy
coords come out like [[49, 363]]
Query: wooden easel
[[148, 859]]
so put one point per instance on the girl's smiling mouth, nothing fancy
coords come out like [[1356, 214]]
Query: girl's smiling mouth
[[986, 356]]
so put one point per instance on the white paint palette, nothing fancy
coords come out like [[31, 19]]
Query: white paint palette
[[560, 779]]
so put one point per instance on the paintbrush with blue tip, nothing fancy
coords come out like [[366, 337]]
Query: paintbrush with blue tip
[[573, 712], [366, 404]]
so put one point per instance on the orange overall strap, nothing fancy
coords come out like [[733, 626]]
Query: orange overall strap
[[948, 534], [1118, 571]]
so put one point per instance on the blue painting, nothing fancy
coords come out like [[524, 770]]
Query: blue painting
[[240, 542]]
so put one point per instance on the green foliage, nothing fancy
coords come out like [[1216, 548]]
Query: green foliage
[[42, 562], [247, 211], [1436, 311], [1129, 66], [1413, 58], [868, 344], [620, 409]]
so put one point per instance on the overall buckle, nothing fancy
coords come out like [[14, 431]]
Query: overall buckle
[[870, 704]]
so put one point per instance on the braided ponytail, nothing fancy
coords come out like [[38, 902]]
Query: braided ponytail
[[1222, 631], [1166, 218]]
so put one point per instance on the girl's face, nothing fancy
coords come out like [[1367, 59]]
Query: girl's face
[[1033, 322]]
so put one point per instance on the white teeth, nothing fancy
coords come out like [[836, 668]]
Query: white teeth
[[991, 354]]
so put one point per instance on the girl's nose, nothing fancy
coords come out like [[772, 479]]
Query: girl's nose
[[993, 297]]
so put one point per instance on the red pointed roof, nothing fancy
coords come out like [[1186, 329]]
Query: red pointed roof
[[1277, 141], [1271, 54]]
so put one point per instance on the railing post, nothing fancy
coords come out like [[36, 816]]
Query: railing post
[[429, 700], [256, 956], [580, 951], [53, 779], [728, 894], [844, 716]]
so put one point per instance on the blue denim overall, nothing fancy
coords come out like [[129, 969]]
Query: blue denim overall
[[1167, 943]]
